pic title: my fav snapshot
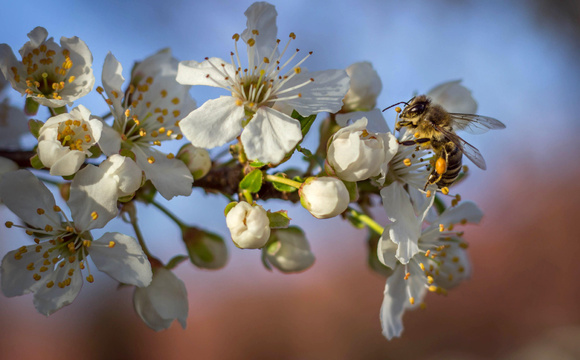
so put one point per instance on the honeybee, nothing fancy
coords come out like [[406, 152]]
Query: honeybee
[[435, 128]]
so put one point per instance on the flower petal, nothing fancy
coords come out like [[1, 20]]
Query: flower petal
[[16, 278], [24, 194], [48, 300], [113, 80], [210, 72], [376, 121], [270, 135], [262, 17], [171, 177], [92, 194], [215, 123], [454, 97], [125, 261], [393, 305], [387, 250]]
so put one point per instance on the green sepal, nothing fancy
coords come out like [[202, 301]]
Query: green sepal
[[128, 153], [305, 122], [252, 181], [31, 106], [127, 198], [176, 260], [352, 190], [229, 207], [95, 152], [257, 164], [304, 151], [279, 219], [36, 163], [34, 127], [60, 110], [69, 177]]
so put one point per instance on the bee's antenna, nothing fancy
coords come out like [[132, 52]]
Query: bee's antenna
[[402, 102]]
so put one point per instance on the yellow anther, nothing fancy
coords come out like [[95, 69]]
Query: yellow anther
[[163, 93], [150, 159], [71, 272], [109, 101], [428, 252], [422, 266], [417, 135], [454, 202], [170, 156], [441, 227], [292, 35], [407, 276], [61, 285], [100, 90], [428, 193], [142, 132], [465, 168], [445, 190], [179, 137], [87, 243], [175, 101], [30, 266], [56, 208], [461, 269], [9, 224], [29, 232], [157, 143], [111, 244], [430, 280], [149, 80], [433, 288], [37, 240], [48, 228], [82, 266], [176, 113], [169, 132], [38, 248], [160, 119], [407, 162], [43, 269], [17, 256], [94, 215], [398, 109], [127, 112], [154, 134], [236, 37], [239, 102], [251, 42], [90, 278], [47, 262], [36, 277], [72, 259], [412, 300], [463, 245], [455, 259], [71, 247], [297, 70], [71, 79], [69, 229]]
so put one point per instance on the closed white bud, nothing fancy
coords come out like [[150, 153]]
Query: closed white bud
[[125, 172], [365, 87], [249, 225], [289, 251], [355, 154], [324, 197], [197, 160]]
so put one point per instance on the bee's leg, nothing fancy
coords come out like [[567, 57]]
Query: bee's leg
[[414, 142]]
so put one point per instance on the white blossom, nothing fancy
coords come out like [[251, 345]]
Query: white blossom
[[263, 95], [52, 268], [355, 154], [64, 140], [365, 87], [163, 301], [146, 115], [440, 265], [249, 225], [196, 159], [50, 74], [324, 197]]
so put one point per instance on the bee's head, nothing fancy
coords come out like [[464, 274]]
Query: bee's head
[[413, 112]]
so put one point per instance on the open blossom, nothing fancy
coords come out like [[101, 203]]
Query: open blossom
[[249, 225], [124, 171], [355, 154], [50, 74], [440, 265], [64, 140], [163, 301], [263, 95], [52, 268], [146, 115], [324, 197]]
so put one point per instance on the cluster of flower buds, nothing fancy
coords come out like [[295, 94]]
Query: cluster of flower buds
[[107, 165]]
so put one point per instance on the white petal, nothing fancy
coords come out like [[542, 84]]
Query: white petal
[[406, 228], [466, 210], [325, 93], [113, 80], [68, 164], [454, 97], [125, 261], [171, 177], [387, 250], [270, 135], [16, 278], [92, 192], [13, 124], [215, 123], [49, 300], [37, 36], [262, 17], [393, 305], [421, 203], [164, 300], [210, 72], [376, 121], [110, 141], [125, 172], [23, 194]]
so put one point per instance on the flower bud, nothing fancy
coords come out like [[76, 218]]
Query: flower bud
[[125, 172], [197, 160], [288, 250], [365, 87], [355, 154], [206, 250], [249, 225], [324, 197], [64, 140]]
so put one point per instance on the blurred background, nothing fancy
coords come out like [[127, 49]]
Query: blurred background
[[519, 58]]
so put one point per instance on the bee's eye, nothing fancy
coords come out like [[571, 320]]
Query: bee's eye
[[417, 109]]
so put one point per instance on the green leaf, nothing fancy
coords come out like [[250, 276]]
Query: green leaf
[[36, 163], [31, 106], [305, 151], [305, 122], [176, 260], [257, 164], [34, 127], [279, 219], [229, 207], [253, 181]]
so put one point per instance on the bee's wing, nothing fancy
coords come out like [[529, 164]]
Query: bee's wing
[[475, 124], [466, 148]]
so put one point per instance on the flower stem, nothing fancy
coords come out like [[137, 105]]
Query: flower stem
[[133, 217], [285, 181], [248, 196], [367, 220], [169, 214]]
